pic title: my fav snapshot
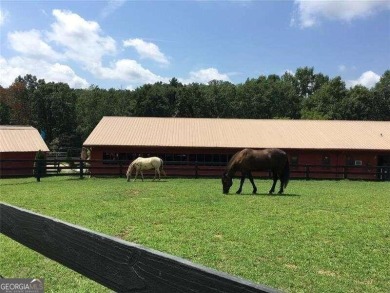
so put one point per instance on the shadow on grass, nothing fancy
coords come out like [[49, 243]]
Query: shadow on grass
[[42, 182], [19, 183], [270, 195], [151, 180]]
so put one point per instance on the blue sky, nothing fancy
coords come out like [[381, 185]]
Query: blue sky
[[125, 44]]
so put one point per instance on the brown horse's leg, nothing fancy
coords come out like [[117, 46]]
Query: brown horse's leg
[[281, 183], [253, 183], [275, 178], [241, 183]]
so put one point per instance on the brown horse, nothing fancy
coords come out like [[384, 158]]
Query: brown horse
[[249, 160]]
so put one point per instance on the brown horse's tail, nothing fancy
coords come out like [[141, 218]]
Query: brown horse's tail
[[161, 168], [286, 173]]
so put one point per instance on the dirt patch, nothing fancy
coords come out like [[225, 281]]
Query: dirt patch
[[327, 273]]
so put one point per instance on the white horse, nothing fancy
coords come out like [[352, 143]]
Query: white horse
[[141, 164]]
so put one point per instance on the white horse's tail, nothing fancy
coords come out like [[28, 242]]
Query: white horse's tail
[[129, 170], [162, 168]]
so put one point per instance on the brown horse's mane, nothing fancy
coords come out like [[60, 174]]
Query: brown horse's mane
[[230, 168]]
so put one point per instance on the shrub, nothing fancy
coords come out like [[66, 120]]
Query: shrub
[[39, 165]]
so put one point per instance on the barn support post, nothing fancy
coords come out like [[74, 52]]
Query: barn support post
[[120, 169], [307, 172], [196, 170]]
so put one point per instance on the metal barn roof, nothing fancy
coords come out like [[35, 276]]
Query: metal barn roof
[[21, 139], [240, 133]]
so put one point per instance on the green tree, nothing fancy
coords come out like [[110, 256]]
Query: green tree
[[326, 102], [307, 82], [5, 114], [219, 96], [90, 109], [53, 108], [358, 104], [381, 95], [252, 101], [185, 105]]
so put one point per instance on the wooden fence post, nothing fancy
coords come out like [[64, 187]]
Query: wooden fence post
[[81, 169], [307, 172], [120, 169], [345, 172]]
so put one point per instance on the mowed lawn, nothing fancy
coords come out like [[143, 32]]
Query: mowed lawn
[[321, 236]]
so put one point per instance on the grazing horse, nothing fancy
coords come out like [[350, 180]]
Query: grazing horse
[[249, 160], [141, 164]]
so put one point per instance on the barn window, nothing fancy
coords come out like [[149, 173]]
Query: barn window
[[208, 158], [350, 161], [192, 158], [326, 160], [200, 158], [224, 159], [180, 158], [169, 157], [294, 160], [117, 158], [110, 157]]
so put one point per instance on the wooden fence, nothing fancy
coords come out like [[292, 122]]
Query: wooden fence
[[112, 262], [193, 170]]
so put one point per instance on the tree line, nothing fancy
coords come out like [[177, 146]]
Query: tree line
[[66, 116]]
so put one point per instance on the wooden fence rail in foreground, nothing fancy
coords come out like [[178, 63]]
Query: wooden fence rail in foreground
[[119, 265]]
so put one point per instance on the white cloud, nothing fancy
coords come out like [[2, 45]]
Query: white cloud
[[82, 40], [129, 71], [72, 44], [30, 44], [8, 72], [342, 68], [3, 16], [63, 73], [146, 50], [205, 76], [310, 13], [367, 79], [12, 68], [111, 7]]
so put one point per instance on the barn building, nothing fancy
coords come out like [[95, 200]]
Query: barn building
[[203, 146], [18, 147]]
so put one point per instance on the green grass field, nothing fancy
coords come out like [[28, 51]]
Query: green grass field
[[321, 236]]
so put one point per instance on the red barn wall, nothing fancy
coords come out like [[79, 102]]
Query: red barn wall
[[19, 168], [341, 162], [311, 161]]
